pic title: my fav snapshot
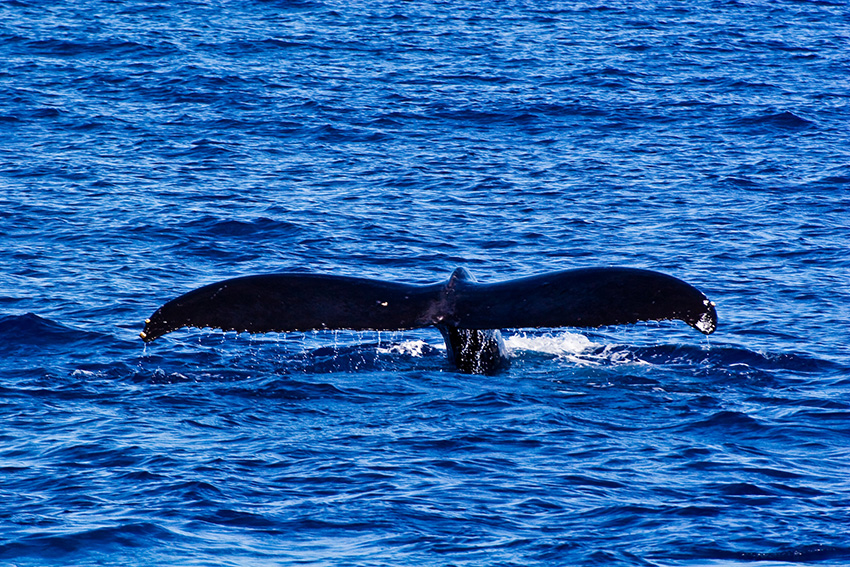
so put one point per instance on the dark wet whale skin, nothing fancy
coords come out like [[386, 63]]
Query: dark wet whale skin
[[467, 313]]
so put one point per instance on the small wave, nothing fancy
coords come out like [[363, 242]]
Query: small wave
[[290, 389], [727, 421], [790, 554], [240, 519], [65, 48], [740, 181], [729, 356], [245, 228], [103, 539], [771, 122], [29, 329], [29, 325], [726, 359]]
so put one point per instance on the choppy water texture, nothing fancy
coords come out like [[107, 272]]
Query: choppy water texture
[[149, 148]]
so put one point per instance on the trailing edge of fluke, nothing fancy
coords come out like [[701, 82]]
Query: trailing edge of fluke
[[467, 313]]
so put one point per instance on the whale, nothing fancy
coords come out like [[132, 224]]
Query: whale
[[468, 314]]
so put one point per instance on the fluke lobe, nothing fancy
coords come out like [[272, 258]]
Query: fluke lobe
[[467, 313]]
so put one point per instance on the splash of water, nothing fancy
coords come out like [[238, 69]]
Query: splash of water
[[561, 344]]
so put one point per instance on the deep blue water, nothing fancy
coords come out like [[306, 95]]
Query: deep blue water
[[149, 148]]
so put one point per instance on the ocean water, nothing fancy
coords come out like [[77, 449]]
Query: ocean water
[[148, 148]]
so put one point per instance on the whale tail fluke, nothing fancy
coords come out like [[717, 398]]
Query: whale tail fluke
[[294, 302], [589, 297], [468, 314]]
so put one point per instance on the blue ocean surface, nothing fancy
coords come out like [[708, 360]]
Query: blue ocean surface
[[148, 148]]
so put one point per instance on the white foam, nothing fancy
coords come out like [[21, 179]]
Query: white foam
[[410, 348], [574, 347], [562, 344]]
